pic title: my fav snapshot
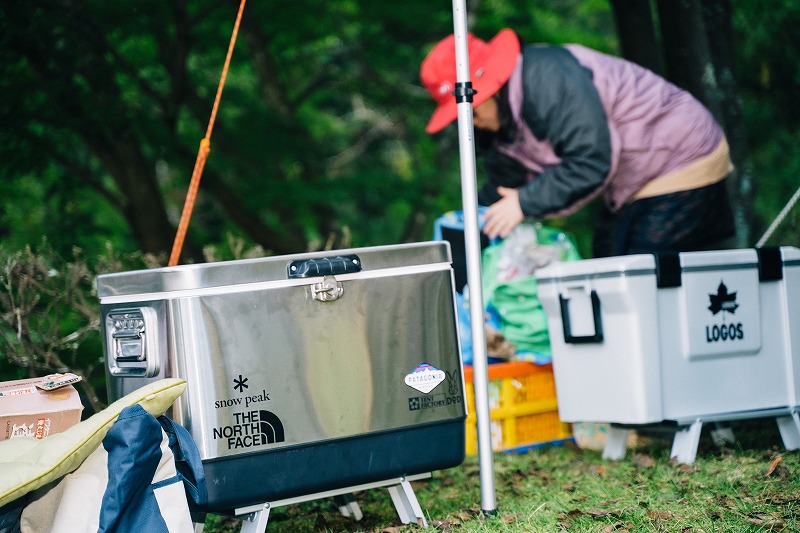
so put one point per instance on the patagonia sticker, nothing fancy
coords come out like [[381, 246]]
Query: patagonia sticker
[[425, 378]]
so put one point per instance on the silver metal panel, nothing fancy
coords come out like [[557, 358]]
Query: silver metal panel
[[598, 268], [269, 366]]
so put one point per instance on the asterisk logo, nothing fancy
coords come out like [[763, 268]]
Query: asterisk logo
[[241, 383]]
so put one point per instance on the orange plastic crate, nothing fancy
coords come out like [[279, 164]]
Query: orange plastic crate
[[522, 407]]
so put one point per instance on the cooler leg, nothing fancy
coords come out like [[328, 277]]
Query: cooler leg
[[256, 522], [405, 501], [348, 506], [616, 444], [789, 426], [684, 445]]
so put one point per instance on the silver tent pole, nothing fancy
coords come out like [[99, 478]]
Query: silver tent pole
[[469, 195]]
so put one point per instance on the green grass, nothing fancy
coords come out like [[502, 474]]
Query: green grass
[[753, 486]]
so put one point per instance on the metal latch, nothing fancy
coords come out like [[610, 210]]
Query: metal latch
[[131, 341], [327, 290], [129, 337]]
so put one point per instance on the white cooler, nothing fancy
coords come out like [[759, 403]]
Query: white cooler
[[643, 339]]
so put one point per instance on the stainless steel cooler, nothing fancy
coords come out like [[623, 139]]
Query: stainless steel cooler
[[305, 373]]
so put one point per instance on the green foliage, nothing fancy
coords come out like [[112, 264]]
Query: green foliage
[[49, 317], [563, 21], [319, 134], [768, 74], [775, 160]]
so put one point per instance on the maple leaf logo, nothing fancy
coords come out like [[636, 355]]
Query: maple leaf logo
[[723, 300]]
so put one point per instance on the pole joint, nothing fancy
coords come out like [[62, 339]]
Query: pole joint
[[463, 92]]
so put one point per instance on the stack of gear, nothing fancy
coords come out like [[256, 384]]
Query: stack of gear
[[510, 288], [516, 324], [127, 468]]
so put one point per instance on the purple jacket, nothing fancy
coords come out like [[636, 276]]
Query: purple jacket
[[592, 124]]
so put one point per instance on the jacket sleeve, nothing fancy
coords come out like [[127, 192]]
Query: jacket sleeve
[[562, 105], [503, 172]]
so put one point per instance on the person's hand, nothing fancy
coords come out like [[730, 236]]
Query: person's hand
[[504, 215]]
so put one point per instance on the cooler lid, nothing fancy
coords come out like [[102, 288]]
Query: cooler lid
[[670, 267], [790, 255], [275, 268], [769, 261], [603, 267]]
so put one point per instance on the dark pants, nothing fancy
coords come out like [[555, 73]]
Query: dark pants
[[698, 219]]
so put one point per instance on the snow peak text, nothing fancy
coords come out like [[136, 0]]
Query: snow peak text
[[247, 400]]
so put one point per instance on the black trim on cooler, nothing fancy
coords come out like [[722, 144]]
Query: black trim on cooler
[[770, 264], [668, 270], [270, 475]]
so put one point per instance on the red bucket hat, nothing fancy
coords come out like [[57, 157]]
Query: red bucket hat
[[491, 65]]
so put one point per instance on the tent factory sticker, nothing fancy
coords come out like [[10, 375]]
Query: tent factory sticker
[[425, 378]]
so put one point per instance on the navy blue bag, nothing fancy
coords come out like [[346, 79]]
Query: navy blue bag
[[146, 476]]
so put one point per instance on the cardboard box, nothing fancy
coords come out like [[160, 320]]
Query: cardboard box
[[27, 411]]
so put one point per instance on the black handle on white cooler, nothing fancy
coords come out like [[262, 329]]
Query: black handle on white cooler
[[565, 322], [324, 266]]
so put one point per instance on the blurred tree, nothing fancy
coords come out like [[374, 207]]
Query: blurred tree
[[319, 139], [72, 117], [637, 34], [313, 141], [695, 46], [767, 71]]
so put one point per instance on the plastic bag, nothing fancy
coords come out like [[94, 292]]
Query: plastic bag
[[522, 252], [510, 287]]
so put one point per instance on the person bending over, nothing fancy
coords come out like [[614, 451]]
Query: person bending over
[[558, 126]]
